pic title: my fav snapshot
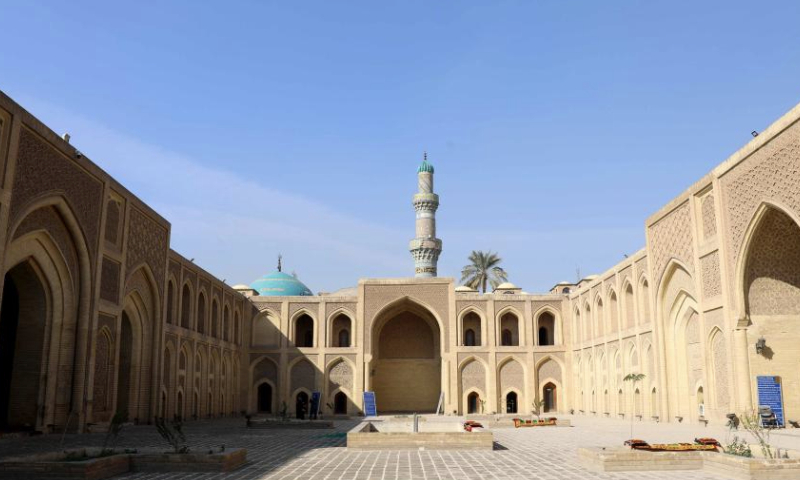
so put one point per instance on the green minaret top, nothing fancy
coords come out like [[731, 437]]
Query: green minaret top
[[425, 166]]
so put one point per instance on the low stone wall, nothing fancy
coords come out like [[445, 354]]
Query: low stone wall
[[621, 459], [292, 424], [366, 437], [61, 465]]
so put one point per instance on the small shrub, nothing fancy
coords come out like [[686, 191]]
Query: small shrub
[[738, 447], [172, 433], [114, 429]]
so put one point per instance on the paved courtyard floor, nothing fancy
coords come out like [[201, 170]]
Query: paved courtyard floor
[[532, 453]]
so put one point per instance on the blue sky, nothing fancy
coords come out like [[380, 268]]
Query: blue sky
[[556, 128]]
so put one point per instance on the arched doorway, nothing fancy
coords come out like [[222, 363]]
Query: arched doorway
[[304, 331], [301, 405], [265, 398], [406, 372], [125, 362], [340, 404], [546, 334], [511, 402], [551, 398], [22, 327], [473, 403]]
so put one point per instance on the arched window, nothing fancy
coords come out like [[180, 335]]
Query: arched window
[[201, 313], [473, 403], [546, 333], [507, 338], [471, 321], [170, 303], [304, 331], [469, 338], [511, 402], [186, 302], [344, 338]]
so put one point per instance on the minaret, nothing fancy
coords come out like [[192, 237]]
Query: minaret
[[425, 248]]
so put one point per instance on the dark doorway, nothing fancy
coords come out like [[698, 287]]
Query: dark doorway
[[301, 405], [469, 338], [22, 329], [511, 402], [550, 398], [473, 403], [304, 331], [125, 361], [543, 337], [344, 338], [506, 338], [265, 398], [340, 404]]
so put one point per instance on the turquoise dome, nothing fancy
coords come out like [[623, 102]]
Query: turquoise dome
[[425, 166], [280, 284]]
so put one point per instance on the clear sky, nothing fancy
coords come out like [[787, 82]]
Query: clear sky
[[255, 128]]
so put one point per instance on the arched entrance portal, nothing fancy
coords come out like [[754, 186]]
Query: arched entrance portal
[[22, 327], [473, 401], [511, 402], [406, 372], [340, 404], [301, 405], [265, 398], [550, 398]]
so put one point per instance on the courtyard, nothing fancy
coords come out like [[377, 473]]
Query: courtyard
[[542, 453]]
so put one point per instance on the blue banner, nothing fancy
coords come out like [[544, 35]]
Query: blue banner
[[769, 394], [315, 404], [370, 409]]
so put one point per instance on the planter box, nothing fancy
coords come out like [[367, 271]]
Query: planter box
[[189, 462], [56, 466], [366, 437], [620, 459]]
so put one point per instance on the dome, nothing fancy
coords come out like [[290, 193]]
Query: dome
[[465, 289], [506, 286], [278, 284], [425, 166]]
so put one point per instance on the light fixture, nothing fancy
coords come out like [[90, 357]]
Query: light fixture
[[754, 133], [761, 344]]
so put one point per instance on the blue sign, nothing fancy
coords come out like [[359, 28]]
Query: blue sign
[[769, 394], [315, 397], [370, 409]]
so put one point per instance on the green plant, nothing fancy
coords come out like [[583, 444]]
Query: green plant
[[482, 269], [633, 378], [537, 408], [738, 447], [172, 433], [114, 429], [751, 421]]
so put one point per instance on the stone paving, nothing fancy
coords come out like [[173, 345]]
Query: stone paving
[[533, 453]]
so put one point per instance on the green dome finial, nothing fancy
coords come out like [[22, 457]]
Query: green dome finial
[[425, 166]]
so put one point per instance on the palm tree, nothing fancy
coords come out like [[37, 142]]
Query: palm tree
[[483, 269], [634, 378]]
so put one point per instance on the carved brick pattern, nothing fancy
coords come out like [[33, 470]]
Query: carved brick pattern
[[512, 375], [671, 237], [138, 282], [770, 174], [340, 376], [550, 369], [709, 266], [772, 275], [273, 307], [473, 375], [109, 280], [465, 355], [303, 375], [312, 308], [205, 284], [714, 318], [112, 221], [102, 370], [333, 306], [519, 306], [708, 216], [191, 277], [478, 305], [378, 296], [694, 351], [719, 354], [265, 369], [147, 243], [641, 268], [47, 218], [41, 170]]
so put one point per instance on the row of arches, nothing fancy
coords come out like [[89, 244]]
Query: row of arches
[[200, 316], [303, 331], [611, 314], [510, 330]]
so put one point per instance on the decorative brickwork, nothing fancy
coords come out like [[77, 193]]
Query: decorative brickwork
[[512, 375], [477, 305], [340, 376], [311, 308], [303, 375], [473, 375], [378, 296], [550, 369], [109, 280], [112, 221], [709, 265], [671, 237], [147, 243], [102, 372], [266, 369], [771, 174], [708, 216], [83, 193], [333, 306], [719, 355], [48, 218]]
